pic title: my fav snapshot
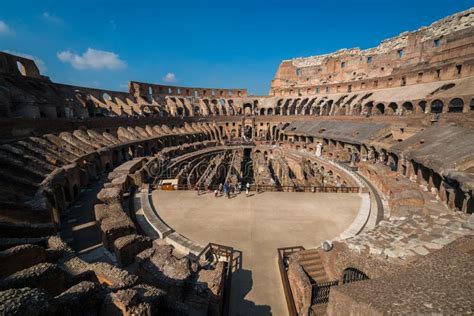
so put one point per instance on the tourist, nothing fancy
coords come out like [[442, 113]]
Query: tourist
[[220, 187], [226, 189], [240, 187], [247, 189]]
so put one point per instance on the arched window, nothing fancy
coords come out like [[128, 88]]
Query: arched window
[[352, 275], [21, 68], [422, 107], [456, 105], [407, 106], [437, 106], [106, 97], [393, 108], [380, 108]]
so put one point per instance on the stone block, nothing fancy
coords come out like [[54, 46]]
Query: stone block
[[158, 266], [84, 298], [112, 276], [127, 247], [46, 276], [24, 301], [20, 257], [110, 195]]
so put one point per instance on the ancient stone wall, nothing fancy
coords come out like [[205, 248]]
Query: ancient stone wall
[[440, 51]]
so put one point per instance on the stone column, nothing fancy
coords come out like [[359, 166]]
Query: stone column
[[465, 203]]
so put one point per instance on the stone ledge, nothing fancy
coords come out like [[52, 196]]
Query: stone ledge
[[152, 217], [184, 244]]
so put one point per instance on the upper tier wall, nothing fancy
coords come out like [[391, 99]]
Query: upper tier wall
[[442, 51], [152, 91]]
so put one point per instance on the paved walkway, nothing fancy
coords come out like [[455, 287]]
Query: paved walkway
[[257, 226], [79, 227]]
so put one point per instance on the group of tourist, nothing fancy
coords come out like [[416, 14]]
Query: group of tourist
[[229, 189]]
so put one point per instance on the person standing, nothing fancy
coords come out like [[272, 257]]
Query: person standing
[[226, 189], [247, 189]]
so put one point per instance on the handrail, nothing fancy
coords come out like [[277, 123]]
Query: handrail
[[228, 253], [280, 188], [282, 256], [320, 292]]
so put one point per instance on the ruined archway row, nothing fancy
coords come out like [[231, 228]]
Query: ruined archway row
[[41, 176], [446, 176], [34, 96]]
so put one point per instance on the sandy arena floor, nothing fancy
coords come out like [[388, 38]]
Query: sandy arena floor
[[257, 225]]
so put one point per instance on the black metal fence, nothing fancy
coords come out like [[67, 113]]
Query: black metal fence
[[272, 188], [352, 275], [320, 292]]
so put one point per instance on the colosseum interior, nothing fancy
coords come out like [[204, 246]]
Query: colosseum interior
[[348, 189]]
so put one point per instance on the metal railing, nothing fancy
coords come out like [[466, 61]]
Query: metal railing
[[320, 292], [273, 188], [283, 254], [301, 188], [225, 254]]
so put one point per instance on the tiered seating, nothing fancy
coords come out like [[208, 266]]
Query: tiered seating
[[155, 262]]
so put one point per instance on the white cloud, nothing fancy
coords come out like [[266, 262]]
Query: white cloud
[[39, 62], [5, 29], [92, 59], [170, 77], [51, 18]]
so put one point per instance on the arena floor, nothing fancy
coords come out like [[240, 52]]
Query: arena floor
[[257, 225]]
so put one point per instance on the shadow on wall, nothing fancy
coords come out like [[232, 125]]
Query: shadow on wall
[[241, 285]]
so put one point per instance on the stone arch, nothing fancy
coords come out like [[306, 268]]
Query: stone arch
[[301, 105], [247, 108], [352, 275], [294, 106], [456, 105], [421, 107], [391, 109], [368, 108], [21, 68], [316, 111], [437, 106], [284, 107], [380, 109], [197, 110], [230, 104], [356, 109], [270, 111], [106, 97], [408, 107]]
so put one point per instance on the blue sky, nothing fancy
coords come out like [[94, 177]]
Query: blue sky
[[228, 44]]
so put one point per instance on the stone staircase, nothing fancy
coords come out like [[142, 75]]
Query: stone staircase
[[319, 309], [313, 266]]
